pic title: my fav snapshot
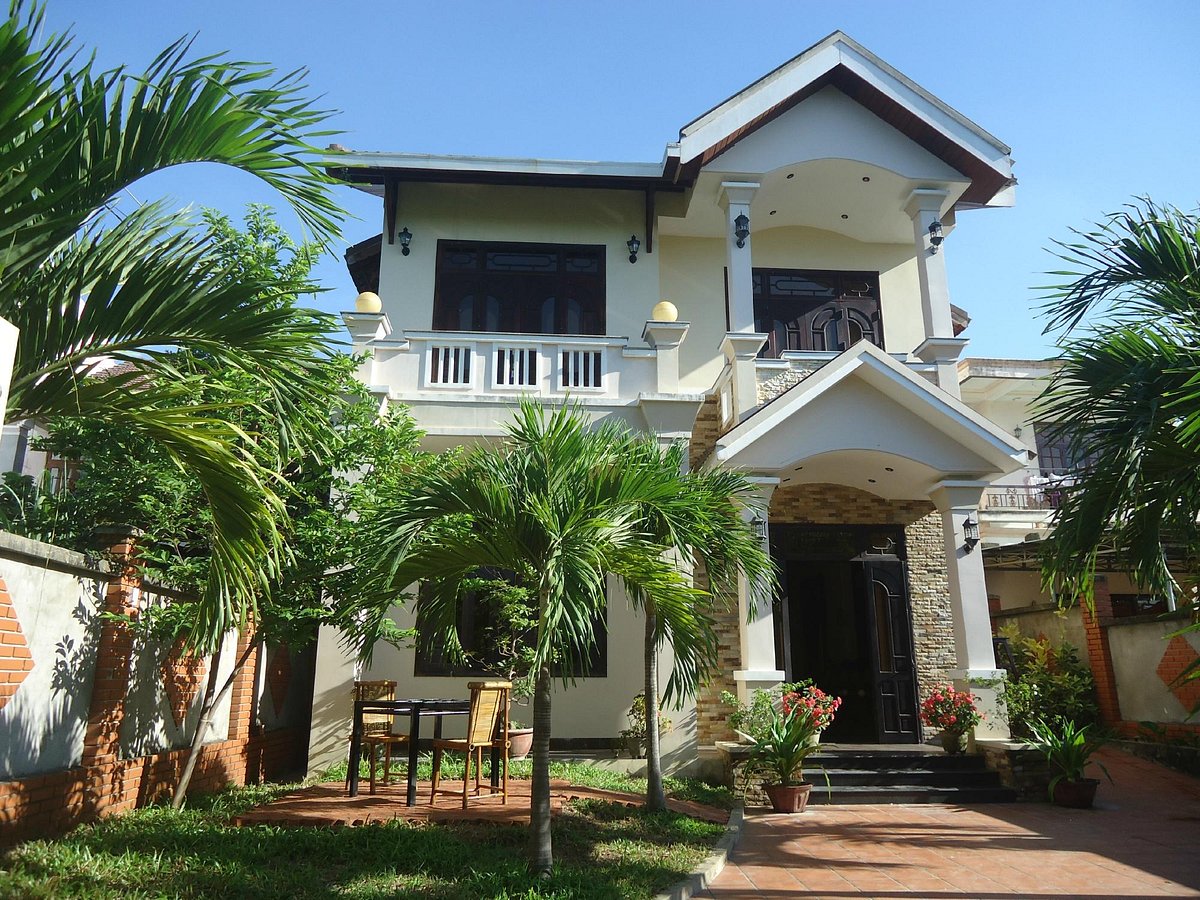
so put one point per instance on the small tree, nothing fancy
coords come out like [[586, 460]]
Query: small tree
[[561, 506]]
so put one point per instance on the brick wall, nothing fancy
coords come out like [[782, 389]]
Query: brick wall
[[105, 781], [1099, 654]]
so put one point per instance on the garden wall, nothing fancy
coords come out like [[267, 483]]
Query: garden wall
[[95, 718], [1135, 660]]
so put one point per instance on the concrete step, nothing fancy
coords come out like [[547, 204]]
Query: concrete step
[[885, 777], [907, 793]]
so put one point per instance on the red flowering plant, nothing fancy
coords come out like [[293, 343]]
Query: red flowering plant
[[950, 710], [809, 699]]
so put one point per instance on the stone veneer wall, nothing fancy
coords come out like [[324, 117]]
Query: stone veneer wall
[[831, 504]]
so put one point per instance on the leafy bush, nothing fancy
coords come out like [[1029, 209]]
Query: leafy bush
[[1050, 683]]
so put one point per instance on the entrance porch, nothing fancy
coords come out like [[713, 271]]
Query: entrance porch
[[867, 474]]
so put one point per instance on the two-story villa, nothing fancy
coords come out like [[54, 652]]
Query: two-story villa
[[798, 232]]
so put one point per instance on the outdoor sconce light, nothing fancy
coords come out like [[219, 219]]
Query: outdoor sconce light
[[760, 526], [741, 229], [634, 246], [935, 236], [970, 534], [405, 239]]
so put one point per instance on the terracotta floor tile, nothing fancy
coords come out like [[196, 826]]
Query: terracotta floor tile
[[1141, 841]]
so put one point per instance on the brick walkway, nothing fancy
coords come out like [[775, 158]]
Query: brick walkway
[[1142, 840], [326, 805]]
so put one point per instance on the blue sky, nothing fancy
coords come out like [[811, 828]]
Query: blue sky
[[1098, 100]]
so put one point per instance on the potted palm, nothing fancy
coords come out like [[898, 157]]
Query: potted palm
[[1068, 749], [778, 751]]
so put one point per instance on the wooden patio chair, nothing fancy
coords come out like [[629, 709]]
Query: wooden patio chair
[[487, 726], [377, 727]]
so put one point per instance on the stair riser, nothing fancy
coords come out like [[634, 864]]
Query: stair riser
[[887, 779], [818, 797]]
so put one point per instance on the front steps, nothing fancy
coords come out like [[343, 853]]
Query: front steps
[[902, 775]]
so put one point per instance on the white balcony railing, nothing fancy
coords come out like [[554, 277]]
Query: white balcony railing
[[469, 363]]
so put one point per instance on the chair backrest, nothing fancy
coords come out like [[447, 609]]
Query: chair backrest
[[375, 722], [489, 701]]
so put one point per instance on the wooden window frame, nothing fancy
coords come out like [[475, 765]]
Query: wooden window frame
[[525, 286]]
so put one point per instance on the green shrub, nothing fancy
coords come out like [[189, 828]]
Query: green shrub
[[1050, 683]]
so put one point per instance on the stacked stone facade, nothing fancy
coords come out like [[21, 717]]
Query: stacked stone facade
[[929, 593]]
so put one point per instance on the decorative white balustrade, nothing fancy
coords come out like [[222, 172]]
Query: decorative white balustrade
[[471, 364]]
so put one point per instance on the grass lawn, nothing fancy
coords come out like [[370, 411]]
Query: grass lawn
[[602, 850]]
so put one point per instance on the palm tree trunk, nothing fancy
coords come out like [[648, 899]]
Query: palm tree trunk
[[541, 852], [656, 797], [212, 699]]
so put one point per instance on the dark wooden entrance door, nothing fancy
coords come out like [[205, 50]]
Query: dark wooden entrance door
[[880, 584]]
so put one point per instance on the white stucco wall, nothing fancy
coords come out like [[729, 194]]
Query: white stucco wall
[[1137, 648], [520, 214], [56, 599], [589, 708]]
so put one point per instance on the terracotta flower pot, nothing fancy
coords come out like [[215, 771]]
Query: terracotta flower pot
[[520, 742], [788, 798], [1076, 794], [954, 742]]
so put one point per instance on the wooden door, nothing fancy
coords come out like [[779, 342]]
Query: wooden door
[[881, 584]]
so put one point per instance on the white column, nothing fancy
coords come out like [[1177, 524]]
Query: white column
[[755, 614], [940, 346], [735, 197], [957, 501], [9, 333]]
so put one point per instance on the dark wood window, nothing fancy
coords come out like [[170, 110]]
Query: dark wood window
[[519, 288], [815, 310], [1055, 456], [472, 626]]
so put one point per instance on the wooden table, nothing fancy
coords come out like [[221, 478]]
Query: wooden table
[[416, 709]]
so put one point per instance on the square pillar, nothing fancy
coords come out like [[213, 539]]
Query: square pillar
[[741, 355], [924, 207], [735, 197], [365, 328], [957, 501], [665, 338], [757, 617]]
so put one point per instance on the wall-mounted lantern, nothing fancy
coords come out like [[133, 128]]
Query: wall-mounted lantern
[[970, 534], [759, 524], [935, 236], [741, 229], [405, 239], [634, 246]]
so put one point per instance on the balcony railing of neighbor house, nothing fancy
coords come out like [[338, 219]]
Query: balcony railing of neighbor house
[[476, 363], [1023, 497]]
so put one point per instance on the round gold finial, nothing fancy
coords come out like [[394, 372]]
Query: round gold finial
[[368, 302], [664, 311]]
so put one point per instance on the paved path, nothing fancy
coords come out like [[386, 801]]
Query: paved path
[[325, 805], [1142, 840]]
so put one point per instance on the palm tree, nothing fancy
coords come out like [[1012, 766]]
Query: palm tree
[[560, 507], [697, 517], [1127, 397], [83, 284]]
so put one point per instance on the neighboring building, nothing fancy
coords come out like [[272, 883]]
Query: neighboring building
[[798, 229]]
